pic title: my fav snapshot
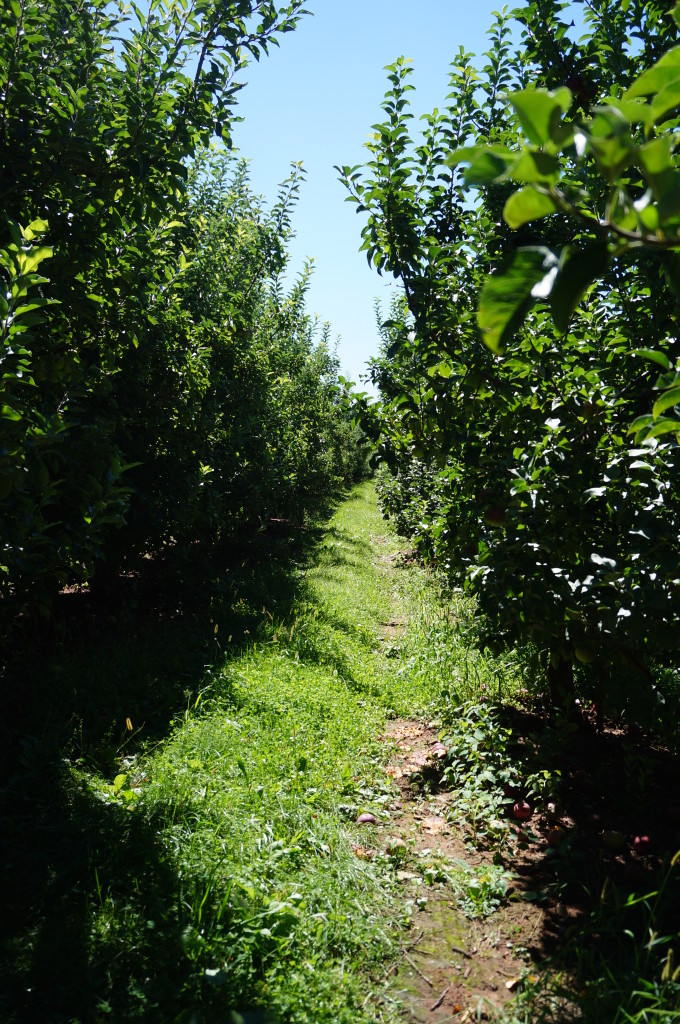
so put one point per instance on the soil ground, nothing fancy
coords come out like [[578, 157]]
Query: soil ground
[[453, 967], [616, 785], [457, 969]]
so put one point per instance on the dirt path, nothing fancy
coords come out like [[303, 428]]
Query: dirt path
[[599, 834], [453, 966]]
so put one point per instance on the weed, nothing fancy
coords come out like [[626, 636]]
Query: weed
[[479, 891], [480, 770]]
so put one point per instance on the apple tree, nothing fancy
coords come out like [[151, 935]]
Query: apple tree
[[517, 470]]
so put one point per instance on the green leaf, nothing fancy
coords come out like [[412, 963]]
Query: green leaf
[[35, 228], [612, 153], [655, 357], [119, 782], [656, 78], [666, 101], [540, 111], [534, 166], [648, 217], [668, 400], [27, 320], [443, 369], [487, 167], [645, 427], [526, 205], [507, 295], [578, 269], [656, 159], [635, 111], [35, 257], [661, 427], [8, 413], [32, 305]]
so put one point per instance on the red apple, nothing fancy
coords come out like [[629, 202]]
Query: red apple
[[642, 844], [366, 819], [521, 810]]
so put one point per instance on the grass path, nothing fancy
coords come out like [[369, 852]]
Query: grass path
[[266, 783], [213, 878]]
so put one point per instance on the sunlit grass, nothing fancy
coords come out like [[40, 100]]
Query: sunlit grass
[[251, 898]]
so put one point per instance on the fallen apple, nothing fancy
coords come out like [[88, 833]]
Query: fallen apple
[[642, 844], [521, 810], [556, 837], [366, 819], [395, 848]]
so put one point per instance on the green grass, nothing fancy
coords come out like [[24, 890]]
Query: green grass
[[210, 871]]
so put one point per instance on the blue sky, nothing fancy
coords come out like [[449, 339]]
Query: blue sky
[[314, 100]]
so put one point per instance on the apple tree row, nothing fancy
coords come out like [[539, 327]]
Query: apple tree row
[[530, 442], [158, 381]]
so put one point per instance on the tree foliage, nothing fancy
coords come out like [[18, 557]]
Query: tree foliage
[[153, 363], [521, 414]]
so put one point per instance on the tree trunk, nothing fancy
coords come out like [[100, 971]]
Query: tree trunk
[[561, 680]]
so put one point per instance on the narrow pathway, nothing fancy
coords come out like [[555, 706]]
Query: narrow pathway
[[450, 963], [456, 967]]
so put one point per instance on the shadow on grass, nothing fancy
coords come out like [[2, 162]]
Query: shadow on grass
[[74, 866], [63, 851], [95, 914], [138, 653]]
